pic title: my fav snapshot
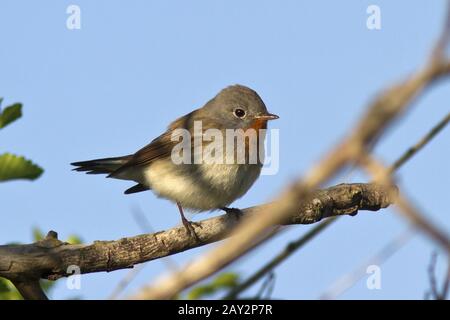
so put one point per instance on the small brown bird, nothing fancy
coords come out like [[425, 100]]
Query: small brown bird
[[195, 186]]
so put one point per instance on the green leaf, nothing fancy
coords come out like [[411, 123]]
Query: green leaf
[[225, 280], [38, 235], [15, 167], [74, 239], [3, 285], [10, 114], [8, 291]]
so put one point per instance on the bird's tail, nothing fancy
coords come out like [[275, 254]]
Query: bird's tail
[[101, 166]]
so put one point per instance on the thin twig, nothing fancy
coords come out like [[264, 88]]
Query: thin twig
[[434, 292], [446, 287], [280, 257], [267, 287], [420, 144], [125, 281]]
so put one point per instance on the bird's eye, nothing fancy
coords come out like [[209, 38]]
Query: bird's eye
[[239, 113]]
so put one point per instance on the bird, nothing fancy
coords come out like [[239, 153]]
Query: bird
[[196, 187]]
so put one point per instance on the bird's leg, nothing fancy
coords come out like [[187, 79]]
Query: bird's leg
[[186, 223], [234, 211]]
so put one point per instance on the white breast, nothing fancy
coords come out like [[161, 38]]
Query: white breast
[[200, 187]]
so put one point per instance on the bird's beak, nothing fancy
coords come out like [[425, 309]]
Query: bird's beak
[[267, 116]]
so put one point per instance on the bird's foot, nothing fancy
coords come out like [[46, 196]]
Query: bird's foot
[[188, 225], [236, 212]]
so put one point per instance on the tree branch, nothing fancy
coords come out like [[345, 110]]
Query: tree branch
[[30, 290], [50, 258]]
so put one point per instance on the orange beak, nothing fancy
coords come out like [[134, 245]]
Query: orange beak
[[267, 116]]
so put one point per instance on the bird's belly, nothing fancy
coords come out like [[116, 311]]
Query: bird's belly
[[201, 187]]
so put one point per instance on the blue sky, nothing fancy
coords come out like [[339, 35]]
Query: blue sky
[[112, 86]]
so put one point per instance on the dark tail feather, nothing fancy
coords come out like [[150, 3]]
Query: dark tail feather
[[137, 188], [100, 166]]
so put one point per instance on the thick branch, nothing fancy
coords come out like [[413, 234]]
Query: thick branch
[[50, 258]]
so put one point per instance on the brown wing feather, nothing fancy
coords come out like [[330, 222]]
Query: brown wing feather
[[160, 147]]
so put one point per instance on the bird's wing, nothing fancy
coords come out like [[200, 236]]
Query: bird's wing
[[160, 147]]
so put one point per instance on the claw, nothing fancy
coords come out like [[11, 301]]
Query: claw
[[190, 229], [187, 224]]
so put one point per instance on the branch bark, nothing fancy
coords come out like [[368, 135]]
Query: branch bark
[[51, 258]]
